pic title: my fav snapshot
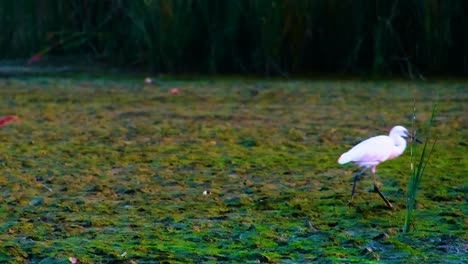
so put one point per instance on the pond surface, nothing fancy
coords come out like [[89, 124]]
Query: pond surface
[[224, 170]]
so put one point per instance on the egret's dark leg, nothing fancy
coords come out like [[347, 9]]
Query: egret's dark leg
[[376, 189], [356, 178]]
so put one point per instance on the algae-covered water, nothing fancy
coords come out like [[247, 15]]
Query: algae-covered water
[[224, 170]]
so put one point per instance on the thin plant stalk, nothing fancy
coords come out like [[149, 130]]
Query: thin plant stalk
[[418, 171]]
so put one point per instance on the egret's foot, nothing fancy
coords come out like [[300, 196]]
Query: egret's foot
[[376, 189], [350, 203], [390, 205]]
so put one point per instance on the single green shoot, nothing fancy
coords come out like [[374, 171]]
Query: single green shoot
[[418, 171]]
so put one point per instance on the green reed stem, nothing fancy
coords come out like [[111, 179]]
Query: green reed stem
[[418, 171]]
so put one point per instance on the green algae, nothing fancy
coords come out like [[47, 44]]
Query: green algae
[[226, 171]]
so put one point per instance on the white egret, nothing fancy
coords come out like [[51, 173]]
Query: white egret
[[371, 152]]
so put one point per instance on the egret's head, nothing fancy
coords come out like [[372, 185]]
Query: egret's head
[[401, 131]]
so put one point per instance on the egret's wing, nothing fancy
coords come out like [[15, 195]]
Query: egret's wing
[[374, 149]]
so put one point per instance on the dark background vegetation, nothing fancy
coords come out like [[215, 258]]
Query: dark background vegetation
[[411, 38]]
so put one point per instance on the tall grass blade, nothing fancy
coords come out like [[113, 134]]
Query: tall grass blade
[[418, 171]]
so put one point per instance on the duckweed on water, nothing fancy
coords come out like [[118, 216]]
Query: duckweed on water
[[225, 171]]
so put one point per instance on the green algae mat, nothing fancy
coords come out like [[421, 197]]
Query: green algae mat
[[234, 171]]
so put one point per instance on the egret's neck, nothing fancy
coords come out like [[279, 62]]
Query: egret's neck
[[400, 145]]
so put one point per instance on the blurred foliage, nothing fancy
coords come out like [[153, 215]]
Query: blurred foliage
[[411, 37]]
